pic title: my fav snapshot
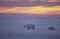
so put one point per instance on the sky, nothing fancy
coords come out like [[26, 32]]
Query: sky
[[29, 6]]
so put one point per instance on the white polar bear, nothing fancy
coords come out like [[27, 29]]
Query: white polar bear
[[30, 26]]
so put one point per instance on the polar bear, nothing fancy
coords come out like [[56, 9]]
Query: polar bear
[[51, 28], [30, 26]]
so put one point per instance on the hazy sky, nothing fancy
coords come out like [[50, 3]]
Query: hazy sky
[[30, 6], [34, 0]]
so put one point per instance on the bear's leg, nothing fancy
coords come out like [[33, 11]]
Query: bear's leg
[[33, 29], [28, 27]]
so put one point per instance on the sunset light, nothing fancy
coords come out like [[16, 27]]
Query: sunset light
[[31, 10]]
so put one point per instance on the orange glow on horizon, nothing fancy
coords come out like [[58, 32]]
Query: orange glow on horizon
[[31, 10], [53, 0]]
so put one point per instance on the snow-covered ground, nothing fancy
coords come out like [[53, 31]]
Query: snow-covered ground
[[12, 27]]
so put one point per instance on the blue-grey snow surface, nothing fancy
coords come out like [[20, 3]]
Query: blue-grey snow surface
[[12, 26]]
